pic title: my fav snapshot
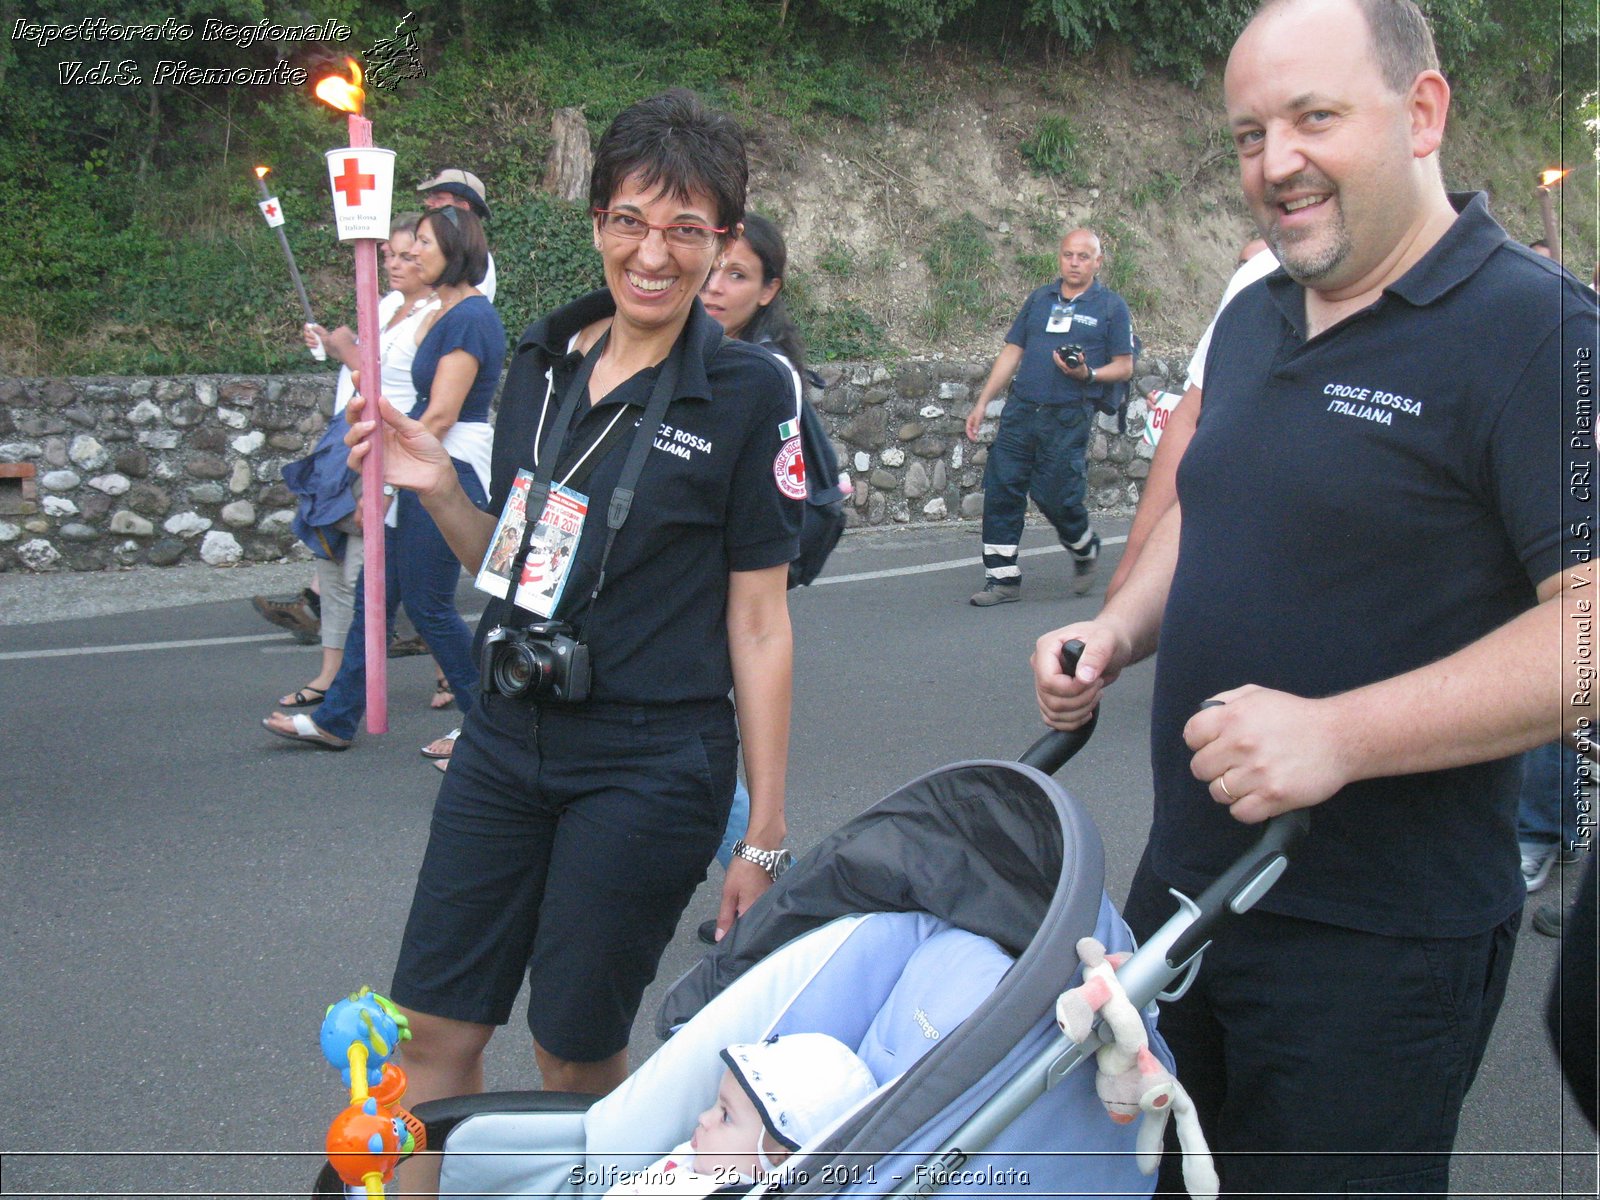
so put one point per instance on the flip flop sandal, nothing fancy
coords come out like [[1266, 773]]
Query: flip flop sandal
[[305, 730], [306, 697], [442, 763], [431, 750], [442, 696]]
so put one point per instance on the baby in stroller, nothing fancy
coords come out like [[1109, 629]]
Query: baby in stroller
[[775, 1096]]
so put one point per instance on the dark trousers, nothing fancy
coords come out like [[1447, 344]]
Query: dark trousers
[[1324, 1060], [423, 571], [566, 842], [1038, 451]]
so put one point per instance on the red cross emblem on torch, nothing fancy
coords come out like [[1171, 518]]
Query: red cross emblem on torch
[[353, 182]]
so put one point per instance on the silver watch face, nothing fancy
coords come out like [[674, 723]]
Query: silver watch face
[[773, 862]]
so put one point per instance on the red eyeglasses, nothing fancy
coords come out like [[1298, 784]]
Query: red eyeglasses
[[626, 225]]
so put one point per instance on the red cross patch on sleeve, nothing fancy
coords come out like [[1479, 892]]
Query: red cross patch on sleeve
[[789, 469]]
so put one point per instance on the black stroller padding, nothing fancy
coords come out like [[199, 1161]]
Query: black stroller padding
[[993, 847]]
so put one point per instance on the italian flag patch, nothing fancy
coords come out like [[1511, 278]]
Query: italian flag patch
[[789, 429]]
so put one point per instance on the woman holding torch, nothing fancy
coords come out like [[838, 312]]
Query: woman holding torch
[[590, 787]]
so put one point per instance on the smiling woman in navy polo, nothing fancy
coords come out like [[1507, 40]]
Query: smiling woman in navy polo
[[570, 835]]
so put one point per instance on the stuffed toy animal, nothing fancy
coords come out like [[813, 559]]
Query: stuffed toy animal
[[1129, 1079]]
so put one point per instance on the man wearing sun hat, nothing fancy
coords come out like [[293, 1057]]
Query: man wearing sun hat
[[456, 188]]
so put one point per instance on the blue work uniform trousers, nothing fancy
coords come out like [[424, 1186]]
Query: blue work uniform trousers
[[1547, 807], [422, 573], [1039, 451]]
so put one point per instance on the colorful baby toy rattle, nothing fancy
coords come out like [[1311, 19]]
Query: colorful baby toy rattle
[[369, 1138]]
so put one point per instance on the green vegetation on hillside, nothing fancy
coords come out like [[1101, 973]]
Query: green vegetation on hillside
[[131, 244]]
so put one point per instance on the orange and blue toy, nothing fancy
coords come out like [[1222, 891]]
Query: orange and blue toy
[[368, 1139]]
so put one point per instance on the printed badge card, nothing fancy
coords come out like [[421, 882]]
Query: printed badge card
[[549, 561], [494, 576]]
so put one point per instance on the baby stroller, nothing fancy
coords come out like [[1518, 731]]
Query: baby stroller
[[934, 932]]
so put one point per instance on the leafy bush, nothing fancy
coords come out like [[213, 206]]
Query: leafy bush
[[1053, 148], [837, 261], [962, 265], [544, 254], [833, 332]]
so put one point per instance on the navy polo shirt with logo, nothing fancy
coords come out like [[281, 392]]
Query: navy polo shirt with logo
[[1358, 505], [707, 504], [1097, 320]]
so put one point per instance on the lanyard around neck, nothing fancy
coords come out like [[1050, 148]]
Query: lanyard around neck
[[661, 395]]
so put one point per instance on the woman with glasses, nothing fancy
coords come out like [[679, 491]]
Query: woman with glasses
[[445, 378], [579, 816]]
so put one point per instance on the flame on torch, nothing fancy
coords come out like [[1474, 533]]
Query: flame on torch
[[346, 95], [261, 172], [1551, 176]]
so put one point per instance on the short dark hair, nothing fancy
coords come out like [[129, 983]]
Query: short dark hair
[[459, 234], [1402, 39], [674, 142], [772, 322], [1402, 42]]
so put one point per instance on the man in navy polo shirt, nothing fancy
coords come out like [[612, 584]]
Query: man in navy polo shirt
[[1072, 338], [1383, 535]]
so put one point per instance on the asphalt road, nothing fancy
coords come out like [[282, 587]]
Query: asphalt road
[[184, 894]]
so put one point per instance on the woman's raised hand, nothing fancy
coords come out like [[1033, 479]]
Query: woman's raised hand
[[412, 457]]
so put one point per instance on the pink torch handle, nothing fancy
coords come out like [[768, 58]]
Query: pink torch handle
[[373, 506]]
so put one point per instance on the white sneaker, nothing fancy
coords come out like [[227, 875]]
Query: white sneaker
[[1537, 860]]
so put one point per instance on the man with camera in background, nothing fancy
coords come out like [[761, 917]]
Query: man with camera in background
[[1071, 340]]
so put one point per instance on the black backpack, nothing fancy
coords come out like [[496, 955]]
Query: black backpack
[[1113, 397], [824, 512]]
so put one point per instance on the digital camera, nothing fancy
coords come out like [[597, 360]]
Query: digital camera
[[540, 662], [1071, 355]]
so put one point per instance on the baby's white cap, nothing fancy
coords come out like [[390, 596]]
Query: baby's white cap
[[800, 1082]]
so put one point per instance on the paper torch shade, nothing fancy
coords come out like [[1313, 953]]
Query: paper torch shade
[[362, 180], [272, 211]]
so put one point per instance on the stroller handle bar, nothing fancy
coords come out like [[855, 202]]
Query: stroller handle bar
[[1052, 751], [1242, 884]]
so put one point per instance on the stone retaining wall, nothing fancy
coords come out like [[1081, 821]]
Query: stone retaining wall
[[111, 471], [901, 433]]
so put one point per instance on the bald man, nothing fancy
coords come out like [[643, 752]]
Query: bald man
[[1373, 563], [1071, 340]]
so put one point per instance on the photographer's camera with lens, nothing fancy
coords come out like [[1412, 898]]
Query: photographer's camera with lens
[[540, 662], [1072, 356]]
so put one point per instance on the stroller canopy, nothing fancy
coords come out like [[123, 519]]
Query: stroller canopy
[[995, 848]]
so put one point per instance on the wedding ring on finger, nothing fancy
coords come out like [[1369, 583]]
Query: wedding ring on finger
[[1222, 782]]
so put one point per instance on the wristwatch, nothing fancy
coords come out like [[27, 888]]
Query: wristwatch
[[773, 862], [1091, 375]]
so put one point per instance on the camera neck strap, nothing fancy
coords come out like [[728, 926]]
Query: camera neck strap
[[661, 395]]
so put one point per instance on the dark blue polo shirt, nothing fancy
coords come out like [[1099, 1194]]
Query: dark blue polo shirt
[[1097, 320], [708, 505], [1359, 505]]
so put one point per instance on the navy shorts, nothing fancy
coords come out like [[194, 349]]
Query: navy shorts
[[565, 845]]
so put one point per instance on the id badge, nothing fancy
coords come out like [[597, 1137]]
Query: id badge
[[1060, 317], [494, 575], [551, 550], [543, 572]]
